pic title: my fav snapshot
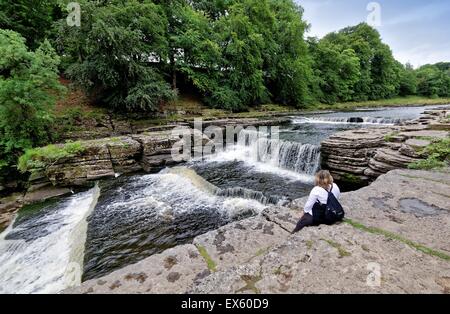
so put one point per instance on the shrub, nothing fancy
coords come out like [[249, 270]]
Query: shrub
[[29, 88], [438, 153], [42, 157]]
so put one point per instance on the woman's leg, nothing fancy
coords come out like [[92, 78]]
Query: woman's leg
[[305, 221]]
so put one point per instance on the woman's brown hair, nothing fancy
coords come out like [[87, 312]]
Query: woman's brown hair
[[323, 179]]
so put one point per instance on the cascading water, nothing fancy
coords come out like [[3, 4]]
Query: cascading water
[[296, 157], [43, 251], [250, 194], [135, 217], [139, 216], [348, 120]]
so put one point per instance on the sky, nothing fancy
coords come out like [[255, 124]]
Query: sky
[[418, 31]]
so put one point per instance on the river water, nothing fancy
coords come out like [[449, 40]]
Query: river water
[[58, 244]]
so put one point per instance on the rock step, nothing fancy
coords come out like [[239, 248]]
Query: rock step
[[387, 232], [393, 158]]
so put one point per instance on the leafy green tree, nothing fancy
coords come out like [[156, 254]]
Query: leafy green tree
[[408, 80], [336, 71], [122, 47], [33, 19], [433, 81], [287, 62], [379, 76], [29, 87]]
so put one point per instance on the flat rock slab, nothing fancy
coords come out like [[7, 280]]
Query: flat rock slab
[[172, 271], [395, 240], [241, 241], [425, 134], [338, 259], [413, 204], [8, 208], [45, 193]]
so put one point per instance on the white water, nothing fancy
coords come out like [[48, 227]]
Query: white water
[[291, 160], [52, 260], [347, 120], [180, 190]]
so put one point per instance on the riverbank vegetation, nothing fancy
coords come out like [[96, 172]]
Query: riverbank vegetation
[[234, 56], [438, 155]]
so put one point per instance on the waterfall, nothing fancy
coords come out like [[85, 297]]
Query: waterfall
[[348, 120], [42, 252], [296, 157], [238, 192]]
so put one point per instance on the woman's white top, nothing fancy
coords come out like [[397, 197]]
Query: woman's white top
[[320, 194]]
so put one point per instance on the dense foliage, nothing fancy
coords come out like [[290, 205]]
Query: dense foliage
[[28, 89], [437, 153], [32, 19], [136, 55]]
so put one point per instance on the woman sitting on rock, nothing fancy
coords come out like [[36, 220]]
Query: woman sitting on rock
[[322, 206]]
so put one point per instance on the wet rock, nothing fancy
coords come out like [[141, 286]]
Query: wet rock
[[386, 245], [105, 158], [364, 155], [8, 207], [44, 193], [150, 275]]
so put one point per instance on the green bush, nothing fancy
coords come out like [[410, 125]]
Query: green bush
[[438, 153], [38, 158], [29, 88]]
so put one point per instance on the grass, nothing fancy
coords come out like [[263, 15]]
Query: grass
[[393, 102], [394, 236], [195, 107], [342, 252], [212, 266], [350, 178], [391, 136], [251, 282], [41, 157], [427, 179], [438, 153]]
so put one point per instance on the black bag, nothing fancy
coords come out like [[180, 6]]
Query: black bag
[[334, 212]]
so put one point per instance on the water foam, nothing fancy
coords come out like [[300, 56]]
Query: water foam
[[49, 262]]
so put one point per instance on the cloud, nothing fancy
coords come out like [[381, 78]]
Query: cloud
[[418, 14], [418, 31]]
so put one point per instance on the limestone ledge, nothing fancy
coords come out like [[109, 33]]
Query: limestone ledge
[[360, 156], [399, 226]]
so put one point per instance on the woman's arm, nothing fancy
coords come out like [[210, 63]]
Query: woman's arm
[[312, 199], [337, 191]]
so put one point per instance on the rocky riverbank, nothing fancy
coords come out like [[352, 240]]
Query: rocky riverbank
[[360, 156], [395, 240], [147, 150]]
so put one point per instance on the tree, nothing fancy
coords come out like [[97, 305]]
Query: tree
[[337, 72], [408, 80], [378, 71], [32, 19], [29, 87], [433, 81], [123, 47], [287, 62]]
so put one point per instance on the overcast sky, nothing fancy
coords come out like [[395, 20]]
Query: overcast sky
[[418, 31]]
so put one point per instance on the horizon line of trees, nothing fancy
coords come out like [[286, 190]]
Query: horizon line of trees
[[135, 55]]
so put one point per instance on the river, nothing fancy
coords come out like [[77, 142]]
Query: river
[[60, 243]]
